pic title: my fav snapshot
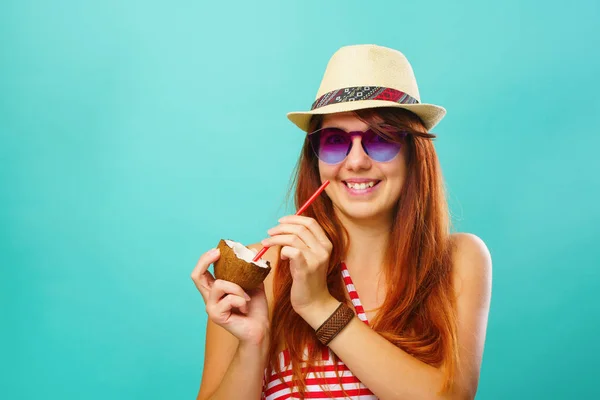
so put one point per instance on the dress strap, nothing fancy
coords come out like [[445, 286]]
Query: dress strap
[[360, 311]]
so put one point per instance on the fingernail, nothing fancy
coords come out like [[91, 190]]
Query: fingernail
[[213, 252], [247, 297]]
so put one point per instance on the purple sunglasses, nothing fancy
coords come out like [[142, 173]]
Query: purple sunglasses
[[332, 145]]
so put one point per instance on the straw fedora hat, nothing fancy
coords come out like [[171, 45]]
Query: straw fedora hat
[[368, 76]]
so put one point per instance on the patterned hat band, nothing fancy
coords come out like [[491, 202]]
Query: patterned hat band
[[363, 93]]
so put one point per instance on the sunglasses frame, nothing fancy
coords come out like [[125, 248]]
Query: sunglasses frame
[[352, 134]]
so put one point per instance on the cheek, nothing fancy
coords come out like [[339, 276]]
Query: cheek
[[396, 169], [396, 175], [327, 171]]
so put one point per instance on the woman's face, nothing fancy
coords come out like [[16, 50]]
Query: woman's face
[[358, 169]]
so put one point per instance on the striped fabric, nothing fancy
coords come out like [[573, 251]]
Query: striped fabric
[[321, 380]]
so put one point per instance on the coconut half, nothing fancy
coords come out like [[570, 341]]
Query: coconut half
[[236, 265]]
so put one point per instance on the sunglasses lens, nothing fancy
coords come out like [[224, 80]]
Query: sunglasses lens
[[379, 148], [331, 144]]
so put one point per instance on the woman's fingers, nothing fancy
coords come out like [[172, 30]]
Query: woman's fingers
[[286, 240], [224, 307], [292, 247], [288, 252], [200, 275], [311, 225], [306, 236], [223, 297], [221, 288], [221, 304]]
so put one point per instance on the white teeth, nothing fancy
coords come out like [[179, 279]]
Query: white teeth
[[360, 186]]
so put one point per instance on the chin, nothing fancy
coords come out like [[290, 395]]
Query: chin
[[363, 212]]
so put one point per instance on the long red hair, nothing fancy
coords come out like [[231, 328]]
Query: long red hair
[[418, 314]]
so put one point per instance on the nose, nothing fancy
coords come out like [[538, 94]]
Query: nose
[[357, 158]]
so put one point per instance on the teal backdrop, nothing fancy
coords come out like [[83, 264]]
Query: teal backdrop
[[136, 134]]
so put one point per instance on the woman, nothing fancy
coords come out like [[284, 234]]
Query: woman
[[370, 295]]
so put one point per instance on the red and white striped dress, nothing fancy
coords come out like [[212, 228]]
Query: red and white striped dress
[[275, 389]]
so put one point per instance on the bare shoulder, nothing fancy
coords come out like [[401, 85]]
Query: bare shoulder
[[472, 261], [472, 278]]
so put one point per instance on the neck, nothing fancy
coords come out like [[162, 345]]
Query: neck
[[368, 244]]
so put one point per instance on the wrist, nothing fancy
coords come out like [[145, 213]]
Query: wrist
[[318, 313], [258, 347]]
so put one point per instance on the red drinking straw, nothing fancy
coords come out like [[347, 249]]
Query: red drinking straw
[[299, 212]]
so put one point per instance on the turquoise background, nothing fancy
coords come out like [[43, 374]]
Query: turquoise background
[[136, 134]]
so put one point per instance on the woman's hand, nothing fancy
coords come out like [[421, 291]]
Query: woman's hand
[[307, 247], [244, 315]]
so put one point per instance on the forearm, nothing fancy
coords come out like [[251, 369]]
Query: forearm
[[389, 372], [244, 377]]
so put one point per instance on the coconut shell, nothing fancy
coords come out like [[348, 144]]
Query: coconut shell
[[230, 267]]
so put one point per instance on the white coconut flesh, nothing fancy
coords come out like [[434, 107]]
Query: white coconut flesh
[[245, 253]]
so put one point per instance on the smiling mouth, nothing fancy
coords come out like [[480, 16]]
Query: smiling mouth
[[362, 185]]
